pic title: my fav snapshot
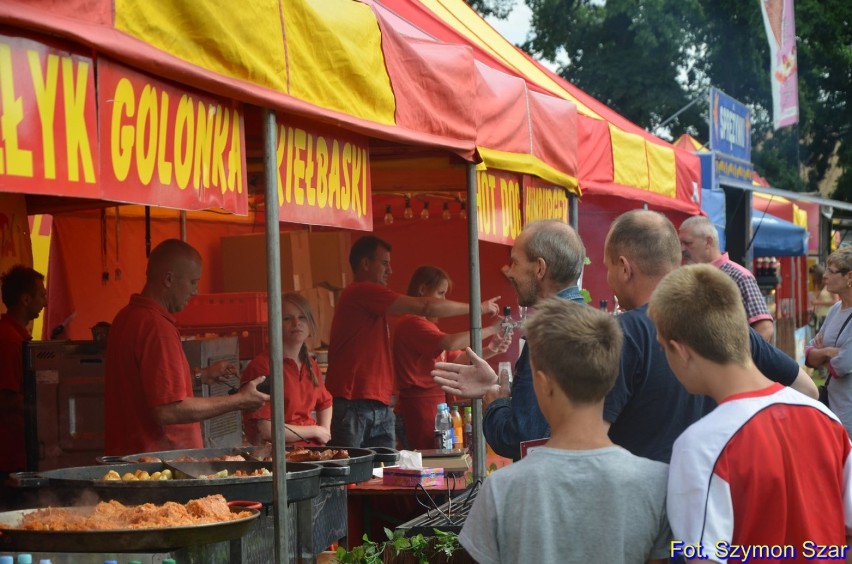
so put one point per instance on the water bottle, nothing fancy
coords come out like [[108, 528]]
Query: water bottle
[[25, 559], [507, 325], [6, 559], [443, 428], [468, 427]]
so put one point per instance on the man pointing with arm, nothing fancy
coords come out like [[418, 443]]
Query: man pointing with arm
[[360, 366], [546, 261]]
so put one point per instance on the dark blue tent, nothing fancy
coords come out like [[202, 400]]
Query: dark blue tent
[[772, 236]]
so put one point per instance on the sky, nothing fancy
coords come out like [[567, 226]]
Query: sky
[[516, 26]]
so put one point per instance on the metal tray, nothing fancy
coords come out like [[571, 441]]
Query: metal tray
[[359, 466], [120, 540], [385, 455], [69, 484]]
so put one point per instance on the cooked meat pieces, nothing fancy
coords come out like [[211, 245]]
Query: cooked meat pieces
[[306, 455], [300, 455], [113, 515], [223, 458]]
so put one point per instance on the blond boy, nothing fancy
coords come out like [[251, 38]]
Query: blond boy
[[579, 498], [766, 474]]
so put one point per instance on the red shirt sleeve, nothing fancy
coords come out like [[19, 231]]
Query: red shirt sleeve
[[418, 334]]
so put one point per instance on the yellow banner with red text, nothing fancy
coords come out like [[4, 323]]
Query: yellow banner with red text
[[498, 209], [323, 176], [544, 201]]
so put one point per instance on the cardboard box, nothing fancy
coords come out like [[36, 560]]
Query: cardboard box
[[410, 477], [322, 306], [330, 258], [244, 262], [238, 308]]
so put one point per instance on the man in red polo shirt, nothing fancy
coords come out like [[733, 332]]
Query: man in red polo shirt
[[24, 296], [149, 403], [360, 367]]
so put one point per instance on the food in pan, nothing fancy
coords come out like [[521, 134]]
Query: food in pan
[[237, 474], [140, 475], [306, 455], [113, 515], [223, 458]]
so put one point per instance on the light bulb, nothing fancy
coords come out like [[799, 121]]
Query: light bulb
[[408, 213], [388, 215], [446, 212], [424, 214], [463, 211]]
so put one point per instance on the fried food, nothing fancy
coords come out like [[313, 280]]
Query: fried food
[[113, 515], [306, 455], [223, 458], [140, 475]]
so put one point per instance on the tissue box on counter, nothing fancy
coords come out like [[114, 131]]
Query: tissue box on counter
[[410, 477]]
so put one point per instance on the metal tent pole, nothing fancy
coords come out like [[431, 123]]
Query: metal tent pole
[[475, 317], [276, 352]]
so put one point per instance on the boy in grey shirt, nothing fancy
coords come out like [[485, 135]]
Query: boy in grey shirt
[[579, 498]]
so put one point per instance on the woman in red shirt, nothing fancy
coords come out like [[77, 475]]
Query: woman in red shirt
[[417, 344], [304, 390]]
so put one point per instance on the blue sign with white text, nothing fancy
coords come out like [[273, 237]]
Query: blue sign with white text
[[730, 126]]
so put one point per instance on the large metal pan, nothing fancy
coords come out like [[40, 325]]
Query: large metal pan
[[70, 484], [119, 540], [336, 472], [357, 468], [385, 455]]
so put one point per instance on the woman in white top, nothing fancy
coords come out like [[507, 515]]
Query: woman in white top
[[821, 299], [832, 346]]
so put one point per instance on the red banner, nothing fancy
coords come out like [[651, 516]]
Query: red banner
[[48, 131], [323, 176], [166, 146], [544, 201], [498, 206]]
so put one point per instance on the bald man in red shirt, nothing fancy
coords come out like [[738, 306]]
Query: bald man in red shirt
[[149, 401]]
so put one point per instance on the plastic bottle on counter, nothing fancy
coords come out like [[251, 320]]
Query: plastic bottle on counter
[[504, 374], [458, 427], [467, 422], [7, 560], [44, 561], [25, 559], [135, 562], [443, 427], [508, 324]]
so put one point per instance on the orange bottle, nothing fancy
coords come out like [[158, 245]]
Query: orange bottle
[[458, 427]]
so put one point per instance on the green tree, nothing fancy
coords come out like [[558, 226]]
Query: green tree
[[497, 8], [648, 58]]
